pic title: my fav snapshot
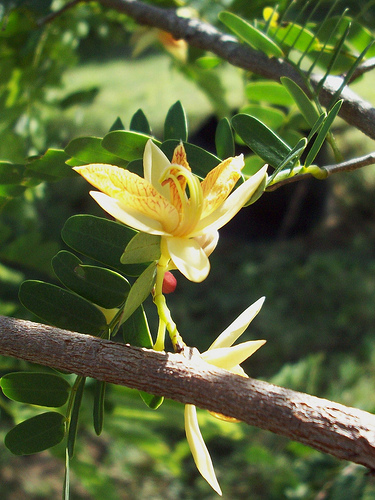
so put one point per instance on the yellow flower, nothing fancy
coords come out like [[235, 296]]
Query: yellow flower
[[172, 202], [270, 12], [223, 355]]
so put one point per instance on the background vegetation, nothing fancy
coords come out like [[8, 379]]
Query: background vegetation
[[317, 273]]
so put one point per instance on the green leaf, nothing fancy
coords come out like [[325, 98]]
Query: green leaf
[[11, 190], [18, 251], [175, 125], [98, 408], [290, 161], [73, 422], [200, 160], [299, 37], [11, 173], [126, 144], [136, 332], [272, 117], [51, 166], [43, 389], [62, 308], [322, 134], [117, 125], [224, 140], [250, 35], [136, 166], [90, 150], [252, 164], [140, 291], [100, 239], [317, 125], [139, 123], [102, 286], [260, 139], [360, 37], [17, 23], [270, 92], [142, 248], [36, 434], [81, 97], [151, 400], [208, 62], [304, 104]]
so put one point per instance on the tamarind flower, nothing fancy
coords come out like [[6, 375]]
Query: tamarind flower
[[224, 355], [173, 202]]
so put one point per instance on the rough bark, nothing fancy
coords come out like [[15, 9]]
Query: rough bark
[[344, 432]]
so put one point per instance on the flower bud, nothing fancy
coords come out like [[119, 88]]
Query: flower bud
[[169, 283]]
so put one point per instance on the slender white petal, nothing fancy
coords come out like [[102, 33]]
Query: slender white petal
[[229, 357], [198, 448], [239, 325], [189, 258], [154, 164], [126, 215], [233, 204]]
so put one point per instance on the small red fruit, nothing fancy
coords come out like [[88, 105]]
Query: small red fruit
[[169, 283]]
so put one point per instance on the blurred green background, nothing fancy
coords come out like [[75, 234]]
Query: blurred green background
[[318, 277]]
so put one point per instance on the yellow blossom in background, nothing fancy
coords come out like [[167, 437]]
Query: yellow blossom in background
[[270, 13], [224, 355], [173, 202]]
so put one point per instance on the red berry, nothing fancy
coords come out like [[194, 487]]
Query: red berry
[[169, 283]]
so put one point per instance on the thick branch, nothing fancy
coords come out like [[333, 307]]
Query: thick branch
[[354, 110], [344, 432]]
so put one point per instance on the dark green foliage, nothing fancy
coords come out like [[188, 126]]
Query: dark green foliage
[[36, 434], [62, 308], [102, 286], [175, 125], [43, 389], [318, 318]]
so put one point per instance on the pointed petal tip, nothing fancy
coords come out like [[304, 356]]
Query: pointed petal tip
[[199, 449], [238, 326]]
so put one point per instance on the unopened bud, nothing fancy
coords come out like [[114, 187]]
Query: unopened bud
[[169, 283]]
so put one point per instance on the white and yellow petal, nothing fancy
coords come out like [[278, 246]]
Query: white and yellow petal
[[229, 357], [233, 204], [189, 258], [198, 448], [126, 215], [154, 165], [132, 191], [219, 182], [239, 325]]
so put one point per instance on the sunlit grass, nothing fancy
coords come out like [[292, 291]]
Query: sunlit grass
[[152, 84]]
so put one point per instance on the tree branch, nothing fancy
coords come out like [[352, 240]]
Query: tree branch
[[354, 110], [345, 166], [344, 432]]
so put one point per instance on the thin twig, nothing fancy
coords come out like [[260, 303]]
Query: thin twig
[[363, 68], [53, 15], [345, 166]]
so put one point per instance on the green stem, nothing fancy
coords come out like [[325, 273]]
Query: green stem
[[165, 318], [159, 344]]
